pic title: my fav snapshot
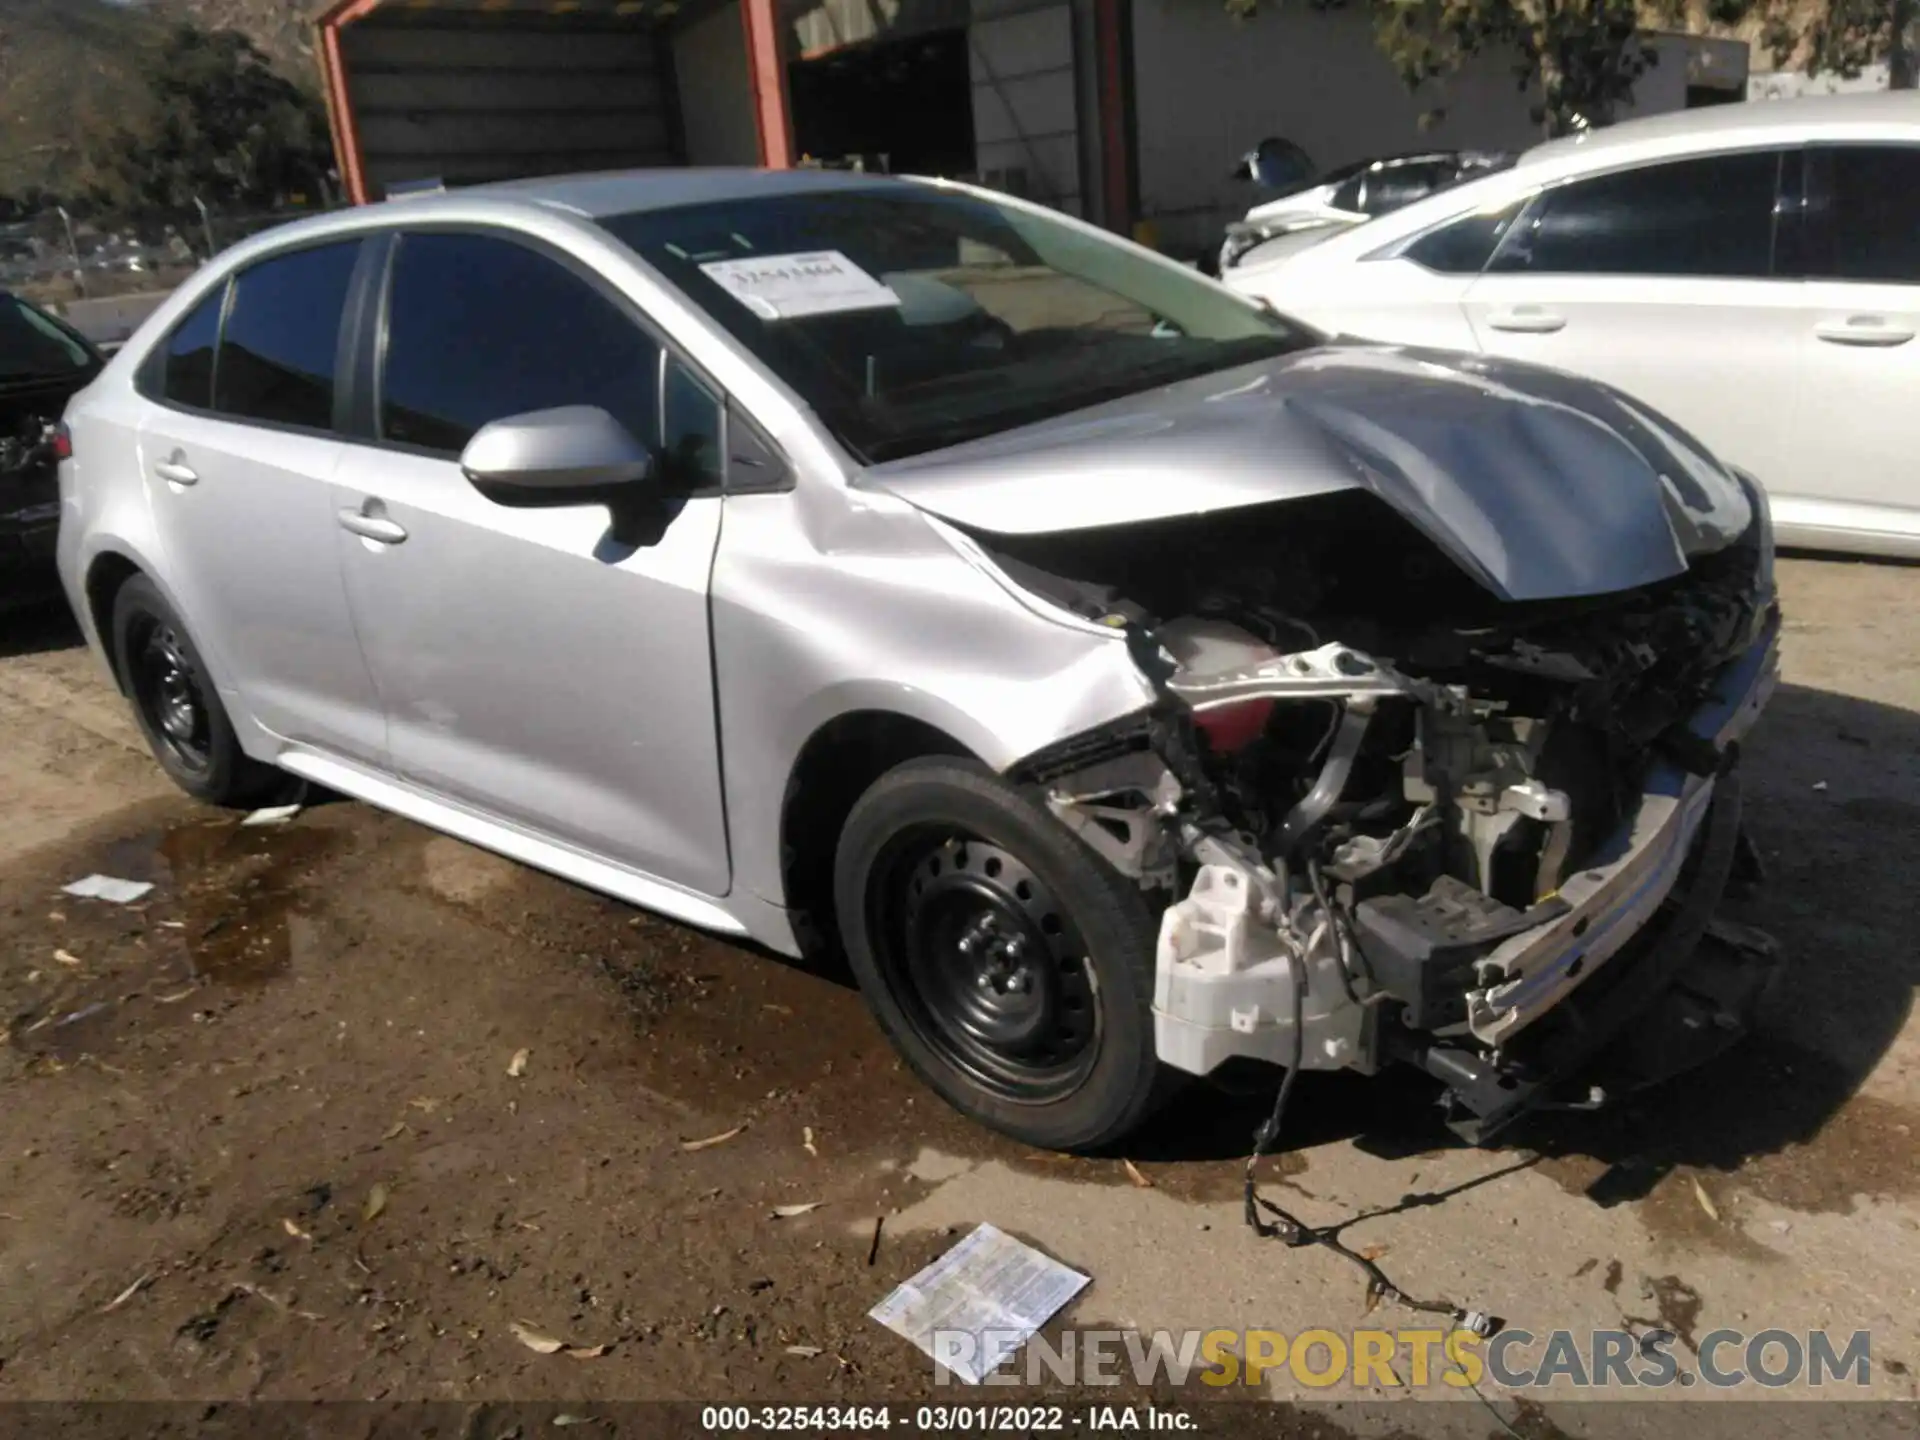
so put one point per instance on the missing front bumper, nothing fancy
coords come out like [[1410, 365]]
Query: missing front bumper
[[1677, 994], [1226, 976]]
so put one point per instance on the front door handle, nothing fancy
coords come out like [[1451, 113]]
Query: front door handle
[[1868, 330], [176, 472], [1527, 320], [372, 527]]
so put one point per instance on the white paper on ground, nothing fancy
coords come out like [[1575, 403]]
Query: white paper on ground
[[990, 1286], [271, 815], [107, 887], [786, 287]]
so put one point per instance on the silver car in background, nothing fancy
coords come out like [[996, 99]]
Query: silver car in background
[[1124, 679]]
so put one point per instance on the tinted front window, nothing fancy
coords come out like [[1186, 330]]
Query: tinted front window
[[33, 345], [186, 369], [1873, 214], [480, 328], [911, 318], [1711, 216], [283, 330]]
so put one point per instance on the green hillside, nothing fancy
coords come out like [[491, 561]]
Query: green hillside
[[79, 77]]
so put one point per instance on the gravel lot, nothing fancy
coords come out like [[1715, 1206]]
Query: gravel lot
[[205, 1099]]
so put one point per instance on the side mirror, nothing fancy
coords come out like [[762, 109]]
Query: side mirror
[[575, 455]]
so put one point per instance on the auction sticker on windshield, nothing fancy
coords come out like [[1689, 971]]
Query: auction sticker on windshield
[[786, 287]]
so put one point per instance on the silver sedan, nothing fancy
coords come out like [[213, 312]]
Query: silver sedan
[[1124, 679]]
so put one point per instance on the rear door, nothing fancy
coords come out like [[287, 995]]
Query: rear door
[[1857, 463], [1662, 280], [239, 446], [533, 667], [1407, 292]]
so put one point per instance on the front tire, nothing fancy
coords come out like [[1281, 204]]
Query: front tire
[[177, 706], [1010, 966]]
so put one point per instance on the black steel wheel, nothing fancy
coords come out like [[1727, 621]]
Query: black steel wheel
[[169, 690], [177, 704], [1010, 965], [987, 963]]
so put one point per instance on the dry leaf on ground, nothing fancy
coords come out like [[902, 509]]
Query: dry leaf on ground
[[711, 1140]]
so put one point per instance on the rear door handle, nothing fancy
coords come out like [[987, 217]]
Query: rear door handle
[[1527, 320], [372, 527], [176, 472], [1869, 330]]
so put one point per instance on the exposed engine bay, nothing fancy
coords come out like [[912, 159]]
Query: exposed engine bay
[[1393, 815]]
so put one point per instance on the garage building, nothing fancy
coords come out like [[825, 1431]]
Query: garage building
[[461, 91], [1129, 112]]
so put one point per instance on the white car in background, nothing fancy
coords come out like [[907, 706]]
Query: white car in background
[[1352, 194], [1751, 271]]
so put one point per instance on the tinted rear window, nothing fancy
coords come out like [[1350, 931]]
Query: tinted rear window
[[278, 349]]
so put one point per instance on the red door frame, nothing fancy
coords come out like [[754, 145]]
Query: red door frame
[[1113, 33], [333, 85], [767, 75]]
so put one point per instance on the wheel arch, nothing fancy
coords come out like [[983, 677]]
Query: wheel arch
[[831, 771], [106, 573]]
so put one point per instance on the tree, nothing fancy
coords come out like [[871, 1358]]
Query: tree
[[1584, 55], [1843, 37], [224, 128]]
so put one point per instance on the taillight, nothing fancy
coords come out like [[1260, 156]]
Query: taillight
[[62, 443], [1233, 727]]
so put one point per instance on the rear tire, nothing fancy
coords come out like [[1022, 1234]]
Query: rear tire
[[177, 705], [1011, 967]]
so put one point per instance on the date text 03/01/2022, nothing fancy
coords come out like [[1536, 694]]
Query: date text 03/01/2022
[[1017, 1419]]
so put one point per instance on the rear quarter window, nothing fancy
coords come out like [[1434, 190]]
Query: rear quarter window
[[1464, 246], [181, 370]]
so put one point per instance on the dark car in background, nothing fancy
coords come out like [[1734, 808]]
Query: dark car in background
[[43, 364]]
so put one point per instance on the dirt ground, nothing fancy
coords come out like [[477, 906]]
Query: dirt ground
[[262, 1135]]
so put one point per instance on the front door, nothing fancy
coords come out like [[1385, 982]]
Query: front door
[[533, 667]]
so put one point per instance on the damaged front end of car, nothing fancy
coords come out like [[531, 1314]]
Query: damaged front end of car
[[1396, 817]]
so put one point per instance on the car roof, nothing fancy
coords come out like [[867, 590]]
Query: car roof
[[619, 192], [1873, 115], [1741, 123], [573, 198]]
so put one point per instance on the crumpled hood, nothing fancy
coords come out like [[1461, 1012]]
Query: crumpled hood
[[1539, 483]]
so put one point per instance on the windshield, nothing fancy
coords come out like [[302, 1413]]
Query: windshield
[[911, 318], [35, 346]]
